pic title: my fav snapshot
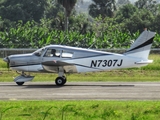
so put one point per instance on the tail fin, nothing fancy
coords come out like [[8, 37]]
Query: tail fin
[[141, 47]]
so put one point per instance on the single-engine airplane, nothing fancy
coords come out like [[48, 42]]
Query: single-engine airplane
[[64, 59]]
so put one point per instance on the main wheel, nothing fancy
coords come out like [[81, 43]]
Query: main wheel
[[20, 83], [60, 81], [65, 79]]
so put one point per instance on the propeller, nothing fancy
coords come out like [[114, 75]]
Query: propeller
[[7, 60], [8, 63]]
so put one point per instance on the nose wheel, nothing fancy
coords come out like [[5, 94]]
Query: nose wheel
[[20, 83], [60, 81], [20, 80]]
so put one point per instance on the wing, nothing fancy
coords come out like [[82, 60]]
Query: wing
[[53, 66], [55, 63]]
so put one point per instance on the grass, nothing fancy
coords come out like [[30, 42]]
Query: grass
[[116, 75], [156, 62], [80, 110]]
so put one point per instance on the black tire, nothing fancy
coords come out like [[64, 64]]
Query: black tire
[[20, 83], [65, 79], [60, 81]]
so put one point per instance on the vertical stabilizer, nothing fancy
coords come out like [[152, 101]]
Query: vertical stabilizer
[[142, 46]]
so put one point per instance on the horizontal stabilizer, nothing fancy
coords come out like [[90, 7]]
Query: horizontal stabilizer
[[144, 62]]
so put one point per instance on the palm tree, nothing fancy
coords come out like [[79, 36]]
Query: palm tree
[[68, 6], [105, 8]]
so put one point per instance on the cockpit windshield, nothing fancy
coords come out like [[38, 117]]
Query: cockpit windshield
[[39, 52]]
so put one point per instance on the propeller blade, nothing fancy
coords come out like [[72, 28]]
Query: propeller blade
[[7, 60], [8, 63]]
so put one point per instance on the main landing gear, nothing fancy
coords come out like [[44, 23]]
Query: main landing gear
[[61, 79]]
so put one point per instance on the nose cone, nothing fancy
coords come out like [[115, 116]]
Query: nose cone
[[5, 59]]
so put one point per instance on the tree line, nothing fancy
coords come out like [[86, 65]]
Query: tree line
[[110, 24]]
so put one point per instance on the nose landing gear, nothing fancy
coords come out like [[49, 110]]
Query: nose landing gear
[[20, 83], [20, 80]]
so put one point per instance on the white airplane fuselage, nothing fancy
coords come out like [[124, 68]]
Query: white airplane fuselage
[[100, 63]]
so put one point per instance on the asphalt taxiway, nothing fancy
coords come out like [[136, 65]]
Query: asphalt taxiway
[[81, 91]]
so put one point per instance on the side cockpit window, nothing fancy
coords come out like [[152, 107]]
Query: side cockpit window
[[57, 53], [38, 52], [52, 53], [67, 54]]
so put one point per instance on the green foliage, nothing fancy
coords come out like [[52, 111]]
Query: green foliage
[[2, 112], [81, 110], [123, 2], [18, 29], [32, 35], [102, 34], [125, 12], [22, 10], [156, 23], [105, 8], [156, 43], [150, 5], [46, 113]]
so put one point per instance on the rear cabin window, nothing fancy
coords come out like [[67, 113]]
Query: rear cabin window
[[67, 54]]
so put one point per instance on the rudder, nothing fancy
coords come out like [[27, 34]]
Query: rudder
[[142, 46]]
